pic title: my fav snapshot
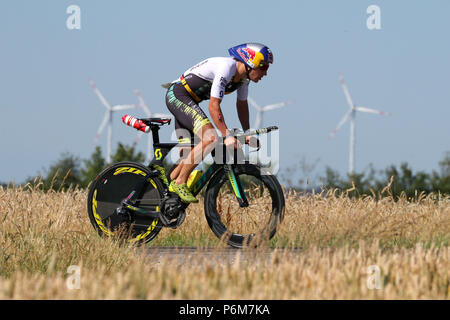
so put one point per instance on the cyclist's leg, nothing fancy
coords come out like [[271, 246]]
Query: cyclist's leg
[[208, 140], [208, 137], [179, 102], [191, 117], [184, 136]]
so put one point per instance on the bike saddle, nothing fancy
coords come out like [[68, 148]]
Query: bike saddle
[[160, 121]]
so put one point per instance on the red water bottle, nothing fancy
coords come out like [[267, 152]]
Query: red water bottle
[[135, 123]]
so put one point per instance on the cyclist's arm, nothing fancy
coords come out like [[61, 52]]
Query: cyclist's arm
[[242, 109], [243, 113], [221, 77], [217, 115]]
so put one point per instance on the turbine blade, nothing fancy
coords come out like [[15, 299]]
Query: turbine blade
[[99, 94], [343, 120], [258, 120], [364, 109], [146, 111], [124, 107], [276, 105], [138, 138], [253, 103], [142, 103], [346, 92], [102, 126], [161, 115]]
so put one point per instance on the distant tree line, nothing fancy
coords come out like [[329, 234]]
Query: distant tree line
[[71, 171], [392, 180]]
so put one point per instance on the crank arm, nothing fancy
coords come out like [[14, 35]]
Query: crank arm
[[142, 212], [145, 214]]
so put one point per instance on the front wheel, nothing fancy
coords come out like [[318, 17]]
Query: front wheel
[[244, 226]]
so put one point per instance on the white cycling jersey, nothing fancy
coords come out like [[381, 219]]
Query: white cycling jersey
[[218, 74]]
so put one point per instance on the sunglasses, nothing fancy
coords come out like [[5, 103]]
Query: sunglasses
[[263, 66]]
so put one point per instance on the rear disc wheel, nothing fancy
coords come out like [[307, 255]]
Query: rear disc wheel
[[110, 188]]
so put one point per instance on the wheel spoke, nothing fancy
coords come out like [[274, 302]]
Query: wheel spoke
[[248, 219], [245, 223]]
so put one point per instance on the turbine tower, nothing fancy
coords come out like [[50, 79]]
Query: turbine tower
[[107, 119], [351, 114], [261, 110]]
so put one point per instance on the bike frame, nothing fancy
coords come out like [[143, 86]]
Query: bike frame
[[161, 150]]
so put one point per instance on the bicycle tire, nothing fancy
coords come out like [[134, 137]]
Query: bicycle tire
[[266, 207], [106, 193]]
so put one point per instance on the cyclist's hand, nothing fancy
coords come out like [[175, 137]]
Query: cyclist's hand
[[231, 141], [252, 141]]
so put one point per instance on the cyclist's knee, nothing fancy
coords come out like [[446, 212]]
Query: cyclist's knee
[[210, 138], [184, 152], [208, 135]]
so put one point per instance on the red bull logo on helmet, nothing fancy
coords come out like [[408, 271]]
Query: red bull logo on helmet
[[251, 56], [243, 53]]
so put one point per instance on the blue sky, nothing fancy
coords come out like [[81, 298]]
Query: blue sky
[[48, 107]]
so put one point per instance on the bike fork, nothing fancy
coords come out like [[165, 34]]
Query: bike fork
[[236, 186]]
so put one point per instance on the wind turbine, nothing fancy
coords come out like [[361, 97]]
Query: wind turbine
[[351, 113], [108, 118], [261, 110], [148, 114], [255, 156]]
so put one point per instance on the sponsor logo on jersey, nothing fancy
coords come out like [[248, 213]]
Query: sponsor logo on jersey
[[223, 81]]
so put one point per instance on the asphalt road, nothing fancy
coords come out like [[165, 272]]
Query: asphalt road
[[227, 255]]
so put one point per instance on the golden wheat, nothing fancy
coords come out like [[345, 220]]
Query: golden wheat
[[339, 242]]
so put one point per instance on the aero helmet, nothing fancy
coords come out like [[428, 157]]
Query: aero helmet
[[253, 55]]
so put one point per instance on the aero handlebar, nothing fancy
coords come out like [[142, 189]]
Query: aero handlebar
[[140, 125]]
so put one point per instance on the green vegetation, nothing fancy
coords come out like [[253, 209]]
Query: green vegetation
[[70, 170], [394, 181]]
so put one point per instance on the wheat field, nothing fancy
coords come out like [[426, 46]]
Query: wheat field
[[367, 248]]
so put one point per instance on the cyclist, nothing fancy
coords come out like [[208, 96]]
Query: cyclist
[[212, 79]]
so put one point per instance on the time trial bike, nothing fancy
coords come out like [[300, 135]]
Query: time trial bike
[[243, 202]]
